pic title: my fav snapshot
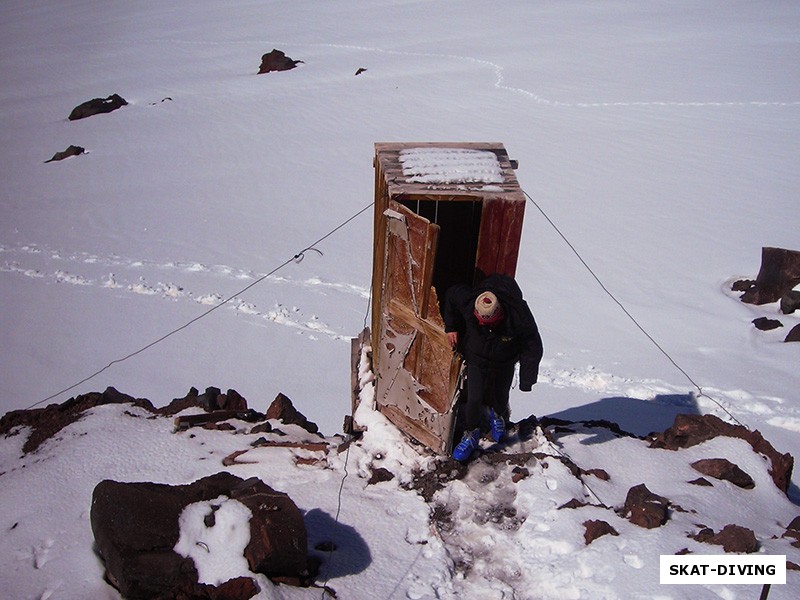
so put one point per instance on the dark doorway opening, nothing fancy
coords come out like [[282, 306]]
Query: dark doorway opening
[[456, 253]]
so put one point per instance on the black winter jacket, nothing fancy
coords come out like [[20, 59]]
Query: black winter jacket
[[515, 338]]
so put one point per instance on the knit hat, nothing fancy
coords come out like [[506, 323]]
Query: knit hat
[[487, 309]]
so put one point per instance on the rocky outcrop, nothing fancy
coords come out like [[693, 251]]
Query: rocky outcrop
[[766, 324], [779, 273], [283, 410], [276, 60], [644, 508], [690, 430], [46, 422], [594, 529], [136, 528], [732, 538], [71, 150], [725, 470], [97, 106]]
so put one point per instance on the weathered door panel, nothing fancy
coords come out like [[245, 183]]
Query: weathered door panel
[[418, 371]]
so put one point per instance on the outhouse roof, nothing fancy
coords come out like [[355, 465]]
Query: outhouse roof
[[447, 168]]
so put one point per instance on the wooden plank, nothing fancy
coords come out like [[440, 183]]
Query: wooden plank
[[413, 428], [500, 235]]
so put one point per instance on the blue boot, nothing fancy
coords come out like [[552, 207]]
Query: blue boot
[[467, 445], [498, 426]]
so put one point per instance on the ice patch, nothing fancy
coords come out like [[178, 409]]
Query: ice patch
[[450, 165]]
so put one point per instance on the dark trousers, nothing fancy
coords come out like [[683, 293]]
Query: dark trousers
[[486, 388]]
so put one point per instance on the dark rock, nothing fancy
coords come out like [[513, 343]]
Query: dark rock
[[690, 430], [241, 588], [779, 274], [264, 427], [97, 106], [790, 302], [722, 468], [276, 60], [644, 508], [519, 473], [48, 421], [136, 527], [283, 410], [70, 151], [360, 70], [732, 538], [701, 481], [743, 285], [574, 503], [596, 529], [599, 473], [794, 334], [765, 324], [793, 530], [380, 475], [213, 400]]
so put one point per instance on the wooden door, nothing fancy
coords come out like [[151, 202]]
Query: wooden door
[[417, 371]]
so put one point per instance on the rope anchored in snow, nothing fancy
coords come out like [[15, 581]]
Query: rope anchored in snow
[[633, 319]]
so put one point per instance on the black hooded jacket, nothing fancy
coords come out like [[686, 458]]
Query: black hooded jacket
[[515, 338]]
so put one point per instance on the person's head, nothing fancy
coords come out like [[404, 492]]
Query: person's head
[[488, 309]]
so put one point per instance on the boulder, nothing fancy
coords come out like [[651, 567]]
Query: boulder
[[793, 532], [722, 468], [596, 529], [71, 150], [283, 410], [790, 302], [644, 508], [765, 324], [136, 528], [779, 273], [732, 538], [97, 106], [690, 430], [794, 334], [276, 60]]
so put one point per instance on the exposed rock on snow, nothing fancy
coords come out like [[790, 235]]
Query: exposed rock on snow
[[766, 324], [71, 150], [555, 493], [283, 410], [790, 302], [276, 60], [794, 334], [779, 273], [595, 529], [138, 526], [690, 430], [644, 508], [46, 422], [732, 538], [722, 468], [97, 106]]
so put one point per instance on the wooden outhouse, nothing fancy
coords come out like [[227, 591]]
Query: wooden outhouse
[[445, 213]]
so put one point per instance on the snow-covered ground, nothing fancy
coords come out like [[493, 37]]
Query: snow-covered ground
[[661, 138]]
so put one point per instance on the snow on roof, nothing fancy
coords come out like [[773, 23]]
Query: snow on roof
[[450, 165]]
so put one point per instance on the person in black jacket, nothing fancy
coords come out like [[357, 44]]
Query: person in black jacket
[[492, 326]]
